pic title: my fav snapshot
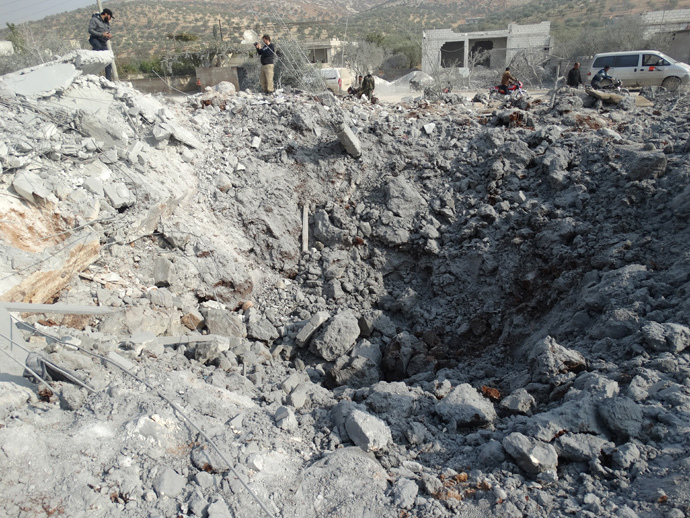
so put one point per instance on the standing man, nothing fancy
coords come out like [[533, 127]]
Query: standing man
[[99, 34], [574, 77], [267, 53], [368, 85]]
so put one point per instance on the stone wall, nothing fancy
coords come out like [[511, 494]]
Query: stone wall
[[155, 85], [507, 43], [214, 75]]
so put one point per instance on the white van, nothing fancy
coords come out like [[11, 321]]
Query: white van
[[642, 68], [337, 80]]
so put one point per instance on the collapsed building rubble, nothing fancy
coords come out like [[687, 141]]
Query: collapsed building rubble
[[490, 319]]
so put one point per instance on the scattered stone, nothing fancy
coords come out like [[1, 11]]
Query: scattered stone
[[338, 337], [169, 483], [530, 454], [466, 407], [623, 416], [367, 431], [305, 334]]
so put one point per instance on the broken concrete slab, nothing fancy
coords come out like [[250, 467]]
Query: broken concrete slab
[[349, 141], [41, 80], [39, 287]]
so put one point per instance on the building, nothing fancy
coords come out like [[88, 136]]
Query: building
[[323, 51], [448, 49], [676, 24]]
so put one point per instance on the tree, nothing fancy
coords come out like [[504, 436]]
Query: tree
[[375, 38], [362, 56], [31, 48], [16, 38], [624, 34]]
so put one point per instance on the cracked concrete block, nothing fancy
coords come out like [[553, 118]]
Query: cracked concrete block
[[41, 80], [350, 141], [118, 195], [163, 272], [305, 334], [94, 185], [367, 431]]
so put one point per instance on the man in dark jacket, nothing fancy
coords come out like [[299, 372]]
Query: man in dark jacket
[[267, 52], [99, 34], [574, 77], [368, 85]]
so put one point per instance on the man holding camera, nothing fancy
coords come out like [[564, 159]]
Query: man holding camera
[[267, 52], [99, 34]]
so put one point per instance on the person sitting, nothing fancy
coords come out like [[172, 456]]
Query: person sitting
[[600, 76]]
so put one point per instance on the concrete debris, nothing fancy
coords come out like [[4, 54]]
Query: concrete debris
[[530, 454], [466, 407], [431, 308]]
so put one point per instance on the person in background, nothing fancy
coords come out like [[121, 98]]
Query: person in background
[[600, 76], [99, 34], [368, 85], [574, 77], [506, 80], [267, 53]]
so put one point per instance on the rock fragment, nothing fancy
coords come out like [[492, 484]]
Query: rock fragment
[[530, 454], [367, 431], [466, 407]]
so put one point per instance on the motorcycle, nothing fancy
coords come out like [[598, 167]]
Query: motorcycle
[[609, 84], [513, 91]]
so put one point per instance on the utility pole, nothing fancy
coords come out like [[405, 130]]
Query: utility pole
[[110, 47], [342, 56], [220, 30]]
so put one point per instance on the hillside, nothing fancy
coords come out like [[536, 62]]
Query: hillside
[[141, 28]]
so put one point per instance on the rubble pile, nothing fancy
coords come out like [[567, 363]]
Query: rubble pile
[[485, 314]]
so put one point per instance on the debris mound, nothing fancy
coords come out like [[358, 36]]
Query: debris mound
[[481, 311]]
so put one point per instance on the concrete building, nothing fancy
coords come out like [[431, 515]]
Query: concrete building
[[448, 49], [677, 24], [323, 51]]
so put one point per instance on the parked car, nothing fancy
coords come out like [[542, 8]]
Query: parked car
[[638, 68], [337, 80]]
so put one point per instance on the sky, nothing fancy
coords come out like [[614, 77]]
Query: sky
[[20, 11]]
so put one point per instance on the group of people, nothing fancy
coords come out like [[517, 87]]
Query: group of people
[[365, 86], [574, 79], [99, 36]]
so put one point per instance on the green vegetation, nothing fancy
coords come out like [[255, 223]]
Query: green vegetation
[[146, 32]]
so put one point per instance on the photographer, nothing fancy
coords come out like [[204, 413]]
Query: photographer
[[267, 52]]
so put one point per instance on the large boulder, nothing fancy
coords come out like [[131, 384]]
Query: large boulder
[[623, 416]]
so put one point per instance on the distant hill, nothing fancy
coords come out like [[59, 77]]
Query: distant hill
[[141, 27]]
